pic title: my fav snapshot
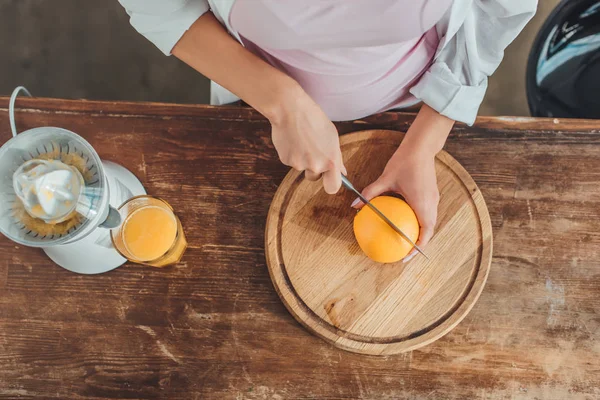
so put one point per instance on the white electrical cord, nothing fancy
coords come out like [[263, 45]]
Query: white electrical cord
[[11, 107]]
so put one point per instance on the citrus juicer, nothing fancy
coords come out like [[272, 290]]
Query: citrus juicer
[[57, 194]]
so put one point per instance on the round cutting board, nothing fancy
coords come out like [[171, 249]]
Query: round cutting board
[[339, 294]]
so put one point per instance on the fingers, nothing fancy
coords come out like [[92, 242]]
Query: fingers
[[373, 190], [410, 255], [330, 171], [312, 176], [427, 215], [425, 236], [332, 178], [342, 166], [332, 181]]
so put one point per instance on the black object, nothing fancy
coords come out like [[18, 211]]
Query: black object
[[563, 70]]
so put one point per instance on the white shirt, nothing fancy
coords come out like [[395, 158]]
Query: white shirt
[[474, 34]]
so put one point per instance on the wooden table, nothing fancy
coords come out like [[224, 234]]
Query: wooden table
[[214, 328]]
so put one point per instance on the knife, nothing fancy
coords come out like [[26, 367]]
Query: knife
[[350, 186]]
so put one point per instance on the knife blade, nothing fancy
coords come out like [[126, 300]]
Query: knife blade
[[351, 187]]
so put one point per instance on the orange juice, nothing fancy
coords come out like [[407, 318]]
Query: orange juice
[[149, 232]]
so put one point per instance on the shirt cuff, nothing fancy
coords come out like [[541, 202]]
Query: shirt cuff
[[442, 91], [165, 30]]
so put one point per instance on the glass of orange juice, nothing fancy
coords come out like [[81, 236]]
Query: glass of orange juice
[[150, 233]]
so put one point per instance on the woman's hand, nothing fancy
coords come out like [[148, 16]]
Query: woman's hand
[[412, 175], [307, 140], [411, 171], [302, 134]]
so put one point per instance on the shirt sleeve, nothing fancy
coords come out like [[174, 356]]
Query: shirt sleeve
[[163, 22], [456, 82]]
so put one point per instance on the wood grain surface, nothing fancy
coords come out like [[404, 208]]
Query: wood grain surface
[[359, 305], [214, 328]]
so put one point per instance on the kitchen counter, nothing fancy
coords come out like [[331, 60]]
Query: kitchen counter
[[213, 327]]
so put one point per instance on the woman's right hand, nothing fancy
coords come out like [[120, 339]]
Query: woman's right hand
[[302, 134], [307, 140]]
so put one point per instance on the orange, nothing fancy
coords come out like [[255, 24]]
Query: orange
[[377, 239]]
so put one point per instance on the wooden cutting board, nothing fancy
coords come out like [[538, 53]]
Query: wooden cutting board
[[339, 294]]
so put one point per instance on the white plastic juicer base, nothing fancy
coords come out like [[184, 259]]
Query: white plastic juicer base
[[95, 254]]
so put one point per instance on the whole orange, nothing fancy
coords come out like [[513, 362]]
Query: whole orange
[[377, 239]]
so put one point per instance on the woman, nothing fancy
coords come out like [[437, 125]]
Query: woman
[[305, 63]]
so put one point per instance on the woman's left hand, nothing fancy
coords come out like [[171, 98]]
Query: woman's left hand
[[411, 174]]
